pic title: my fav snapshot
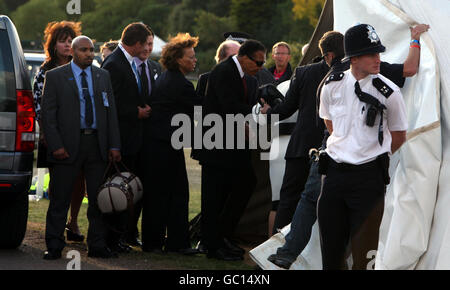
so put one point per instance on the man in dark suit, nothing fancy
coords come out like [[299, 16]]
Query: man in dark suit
[[132, 108], [80, 125], [227, 174], [148, 71], [307, 134]]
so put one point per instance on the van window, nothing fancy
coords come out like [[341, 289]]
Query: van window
[[7, 77]]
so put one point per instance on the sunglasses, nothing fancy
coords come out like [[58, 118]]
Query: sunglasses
[[258, 63]]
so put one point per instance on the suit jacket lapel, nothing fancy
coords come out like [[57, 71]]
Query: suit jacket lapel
[[69, 76], [238, 78], [126, 65]]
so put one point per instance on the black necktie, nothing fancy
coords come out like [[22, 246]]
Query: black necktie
[[144, 81], [375, 103], [88, 114]]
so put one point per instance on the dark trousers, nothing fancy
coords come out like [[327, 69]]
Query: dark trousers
[[63, 178], [350, 209], [294, 179], [224, 188], [304, 217], [165, 206]]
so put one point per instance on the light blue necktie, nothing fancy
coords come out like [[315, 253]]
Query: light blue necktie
[[133, 65]]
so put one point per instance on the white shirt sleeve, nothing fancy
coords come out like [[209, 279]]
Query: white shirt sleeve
[[324, 112], [396, 112]]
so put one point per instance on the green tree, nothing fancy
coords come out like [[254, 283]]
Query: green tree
[[210, 28], [253, 16], [309, 9], [32, 18], [12, 5], [110, 17], [3, 8]]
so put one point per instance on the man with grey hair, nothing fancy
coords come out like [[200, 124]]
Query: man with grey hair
[[79, 120], [226, 48]]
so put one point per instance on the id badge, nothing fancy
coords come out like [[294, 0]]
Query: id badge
[[105, 99]]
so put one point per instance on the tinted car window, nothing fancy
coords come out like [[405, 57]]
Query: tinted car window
[[7, 78]]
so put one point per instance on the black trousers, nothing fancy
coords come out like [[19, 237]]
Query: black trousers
[[63, 178], [350, 209], [225, 194], [294, 179], [165, 206]]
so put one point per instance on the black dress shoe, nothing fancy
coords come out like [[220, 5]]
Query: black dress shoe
[[185, 251], [120, 247], [134, 241], [74, 237], [280, 261], [232, 247], [201, 248], [52, 254], [104, 253], [224, 254]]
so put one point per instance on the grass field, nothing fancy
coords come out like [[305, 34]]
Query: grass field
[[38, 210]]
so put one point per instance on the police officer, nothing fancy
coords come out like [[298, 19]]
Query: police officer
[[366, 116]]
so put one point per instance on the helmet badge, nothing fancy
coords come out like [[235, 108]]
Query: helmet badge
[[372, 35]]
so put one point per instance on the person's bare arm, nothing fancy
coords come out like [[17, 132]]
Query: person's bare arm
[[398, 138], [329, 125], [411, 64]]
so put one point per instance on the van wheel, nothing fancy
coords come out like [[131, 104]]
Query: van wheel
[[13, 222]]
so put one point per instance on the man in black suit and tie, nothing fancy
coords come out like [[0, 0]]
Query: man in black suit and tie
[[80, 125], [227, 174], [148, 71], [132, 108]]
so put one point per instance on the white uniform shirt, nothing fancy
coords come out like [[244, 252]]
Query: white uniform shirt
[[352, 141]]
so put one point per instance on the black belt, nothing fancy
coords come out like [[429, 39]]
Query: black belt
[[369, 165], [88, 131]]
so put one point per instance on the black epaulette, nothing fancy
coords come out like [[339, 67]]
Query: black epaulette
[[334, 77], [382, 87]]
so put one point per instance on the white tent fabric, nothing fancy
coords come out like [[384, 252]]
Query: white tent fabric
[[415, 231], [158, 44]]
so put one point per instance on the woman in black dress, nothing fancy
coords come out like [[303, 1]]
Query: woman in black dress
[[166, 197]]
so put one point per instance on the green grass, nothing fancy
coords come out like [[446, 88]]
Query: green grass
[[38, 210]]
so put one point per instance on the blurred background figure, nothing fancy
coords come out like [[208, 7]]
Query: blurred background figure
[[281, 54], [57, 43], [107, 48]]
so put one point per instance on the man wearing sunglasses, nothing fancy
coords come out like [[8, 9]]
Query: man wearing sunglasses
[[227, 174]]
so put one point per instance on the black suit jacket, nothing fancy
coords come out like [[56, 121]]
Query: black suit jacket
[[61, 112], [173, 94], [126, 93], [225, 94], [301, 96]]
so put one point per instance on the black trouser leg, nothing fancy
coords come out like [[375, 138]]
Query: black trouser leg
[[178, 220], [350, 208], [156, 208], [334, 225], [294, 179], [214, 188], [243, 183]]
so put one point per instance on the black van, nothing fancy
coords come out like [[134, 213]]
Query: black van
[[17, 135]]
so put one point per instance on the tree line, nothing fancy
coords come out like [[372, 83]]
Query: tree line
[[269, 21]]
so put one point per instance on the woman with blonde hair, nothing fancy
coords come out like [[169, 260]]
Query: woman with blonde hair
[[58, 38], [166, 199]]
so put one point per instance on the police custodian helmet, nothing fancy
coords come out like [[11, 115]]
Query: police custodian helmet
[[361, 39]]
